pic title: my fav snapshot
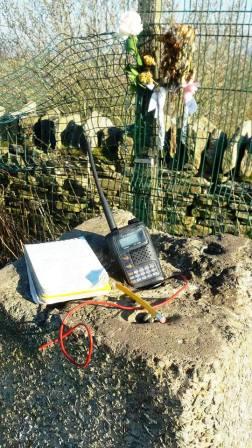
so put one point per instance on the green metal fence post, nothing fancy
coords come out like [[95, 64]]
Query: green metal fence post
[[145, 147]]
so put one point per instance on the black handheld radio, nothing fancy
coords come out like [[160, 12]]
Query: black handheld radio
[[130, 245]]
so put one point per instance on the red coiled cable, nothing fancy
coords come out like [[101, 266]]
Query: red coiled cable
[[106, 304]]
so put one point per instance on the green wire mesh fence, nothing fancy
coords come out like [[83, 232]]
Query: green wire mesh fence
[[197, 182], [200, 182], [46, 185]]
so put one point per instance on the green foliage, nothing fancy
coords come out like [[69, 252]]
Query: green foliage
[[132, 70], [131, 48]]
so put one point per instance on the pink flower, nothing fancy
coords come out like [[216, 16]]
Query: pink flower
[[189, 89]]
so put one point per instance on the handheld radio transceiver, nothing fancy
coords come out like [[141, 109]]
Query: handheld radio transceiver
[[131, 245]]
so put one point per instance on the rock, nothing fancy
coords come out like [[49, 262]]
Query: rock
[[175, 150], [4, 150], [75, 187], [39, 157], [94, 124], [13, 160], [246, 167], [27, 122], [230, 156], [213, 155], [195, 189], [188, 221], [244, 216], [60, 180], [44, 136], [206, 200], [125, 201], [197, 139], [246, 129], [173, 140], [2, 111], [10, 129], [109, 139], [54, 116], [63, 124], [16, 149], [246, 162], [125, 150], [241, 207], [69, 207], [28, 109], [203, 230], [111, 184], [148, 384], [199, 181]]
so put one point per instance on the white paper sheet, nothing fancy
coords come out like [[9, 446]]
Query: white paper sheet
[[64, 270]]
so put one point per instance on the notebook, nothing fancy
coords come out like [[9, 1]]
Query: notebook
[[64, 270]]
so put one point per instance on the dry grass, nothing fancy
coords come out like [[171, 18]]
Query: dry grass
[[11, 237]]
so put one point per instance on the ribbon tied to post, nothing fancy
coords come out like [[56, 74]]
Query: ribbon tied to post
[[156, 104]]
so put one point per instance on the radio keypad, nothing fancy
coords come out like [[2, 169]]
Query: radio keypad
[[142, 273]]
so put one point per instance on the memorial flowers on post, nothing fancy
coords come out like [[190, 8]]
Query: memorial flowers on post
[[175, 71], [138, 72]]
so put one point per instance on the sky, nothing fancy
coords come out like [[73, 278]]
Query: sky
[[216, 11]]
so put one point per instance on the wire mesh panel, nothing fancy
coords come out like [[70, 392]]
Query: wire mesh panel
[[201, 183], [73, 92], [182, 166]]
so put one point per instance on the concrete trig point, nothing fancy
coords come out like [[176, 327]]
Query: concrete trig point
[[184, 384]]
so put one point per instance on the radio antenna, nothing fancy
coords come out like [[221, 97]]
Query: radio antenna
[[106, 208]]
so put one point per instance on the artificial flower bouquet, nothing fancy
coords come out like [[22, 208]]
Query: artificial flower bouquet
[[175, 70], [177, 47]]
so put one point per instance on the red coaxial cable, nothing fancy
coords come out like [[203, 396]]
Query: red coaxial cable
[[106, 304]]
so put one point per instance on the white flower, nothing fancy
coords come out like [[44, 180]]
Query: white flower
[[130, 24]]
